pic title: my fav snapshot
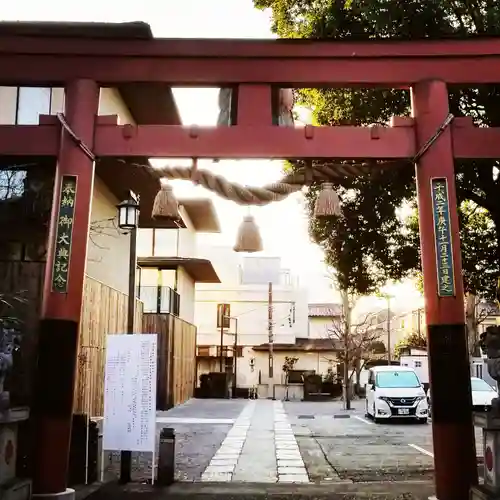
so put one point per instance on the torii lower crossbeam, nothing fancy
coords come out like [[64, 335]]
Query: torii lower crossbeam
[[172, 141]]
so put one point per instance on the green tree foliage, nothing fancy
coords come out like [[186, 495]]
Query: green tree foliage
[[370, 242], [479, 248], [413, 340]]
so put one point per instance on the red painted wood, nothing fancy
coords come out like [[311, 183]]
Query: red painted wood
[[254, 105], [82, 100], [476, 142], [255, 142], [299, 72], [239, 142], [454, 445], [245, 48], [54, 431], [29, 140]]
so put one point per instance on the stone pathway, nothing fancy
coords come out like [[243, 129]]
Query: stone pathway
[[259, 448], [224, 462], [291, 468]]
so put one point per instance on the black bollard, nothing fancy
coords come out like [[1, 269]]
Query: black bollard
[[166, 457]]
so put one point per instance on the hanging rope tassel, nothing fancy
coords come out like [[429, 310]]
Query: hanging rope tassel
[[248, 238], [165, 205], [328, 202]]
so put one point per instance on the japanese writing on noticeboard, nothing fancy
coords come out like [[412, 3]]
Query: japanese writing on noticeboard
[[64, 233], [442, 234]]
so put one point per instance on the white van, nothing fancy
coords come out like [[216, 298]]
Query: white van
[[395, 392]]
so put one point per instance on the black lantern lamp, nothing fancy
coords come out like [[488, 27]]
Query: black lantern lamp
[[128, 212]]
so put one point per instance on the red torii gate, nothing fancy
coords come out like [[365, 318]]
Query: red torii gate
[[254, 68]]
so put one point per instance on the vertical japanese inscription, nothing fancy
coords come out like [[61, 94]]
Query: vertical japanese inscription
[[64, 233], [442, 234]]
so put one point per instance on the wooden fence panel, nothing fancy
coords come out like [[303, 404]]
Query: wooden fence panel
[[104, 312], [176, 358]]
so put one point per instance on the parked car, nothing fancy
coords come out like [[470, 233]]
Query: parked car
[[482, 395], [395, 392]]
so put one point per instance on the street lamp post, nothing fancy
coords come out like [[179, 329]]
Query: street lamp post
[[128, 220]]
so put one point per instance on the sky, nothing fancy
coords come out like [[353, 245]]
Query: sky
[[283, 225]]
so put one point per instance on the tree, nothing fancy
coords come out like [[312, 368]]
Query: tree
[[370, 235], [413, 340], [288, 366], [479, 264], [353, 340]]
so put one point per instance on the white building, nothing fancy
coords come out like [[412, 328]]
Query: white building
[[168, 264], [235, 313], [322, 318]]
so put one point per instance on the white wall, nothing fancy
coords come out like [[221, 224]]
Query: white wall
[[111, 103], [250, 306], [171, 243], [168, 242], [248, 373], [186, 290], [226, 263], [320, 327], [108, 247]]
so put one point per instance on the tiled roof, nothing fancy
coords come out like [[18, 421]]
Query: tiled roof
[[325, 310], [304, 344]]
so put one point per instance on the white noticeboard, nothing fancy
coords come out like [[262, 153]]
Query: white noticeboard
[[130, 393]]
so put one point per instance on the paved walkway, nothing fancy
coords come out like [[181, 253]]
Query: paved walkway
[[259, 447], [273, 443]]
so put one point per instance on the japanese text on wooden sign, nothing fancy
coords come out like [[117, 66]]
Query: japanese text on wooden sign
[[64, 233], [442, 233]]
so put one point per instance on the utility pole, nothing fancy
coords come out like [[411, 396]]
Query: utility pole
[[388, 329], [222, 315], [271, 340], [235, 356]]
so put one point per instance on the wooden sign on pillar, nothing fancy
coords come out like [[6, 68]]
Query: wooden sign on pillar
[[442, 234], [64, 234]]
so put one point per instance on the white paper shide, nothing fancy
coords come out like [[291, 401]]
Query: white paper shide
[[130, 393]]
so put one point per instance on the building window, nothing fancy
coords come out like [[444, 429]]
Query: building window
[[24, 105], [204, 350], [223, 315], [418, 364], [35, 101]]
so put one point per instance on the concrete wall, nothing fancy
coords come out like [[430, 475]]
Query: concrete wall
[[319, 327], [248, 372]]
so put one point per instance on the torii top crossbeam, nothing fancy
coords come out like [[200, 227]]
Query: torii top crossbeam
[[293, 63]]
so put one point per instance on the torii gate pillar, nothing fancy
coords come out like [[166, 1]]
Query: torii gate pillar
[[63, 293], [453, 432]]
